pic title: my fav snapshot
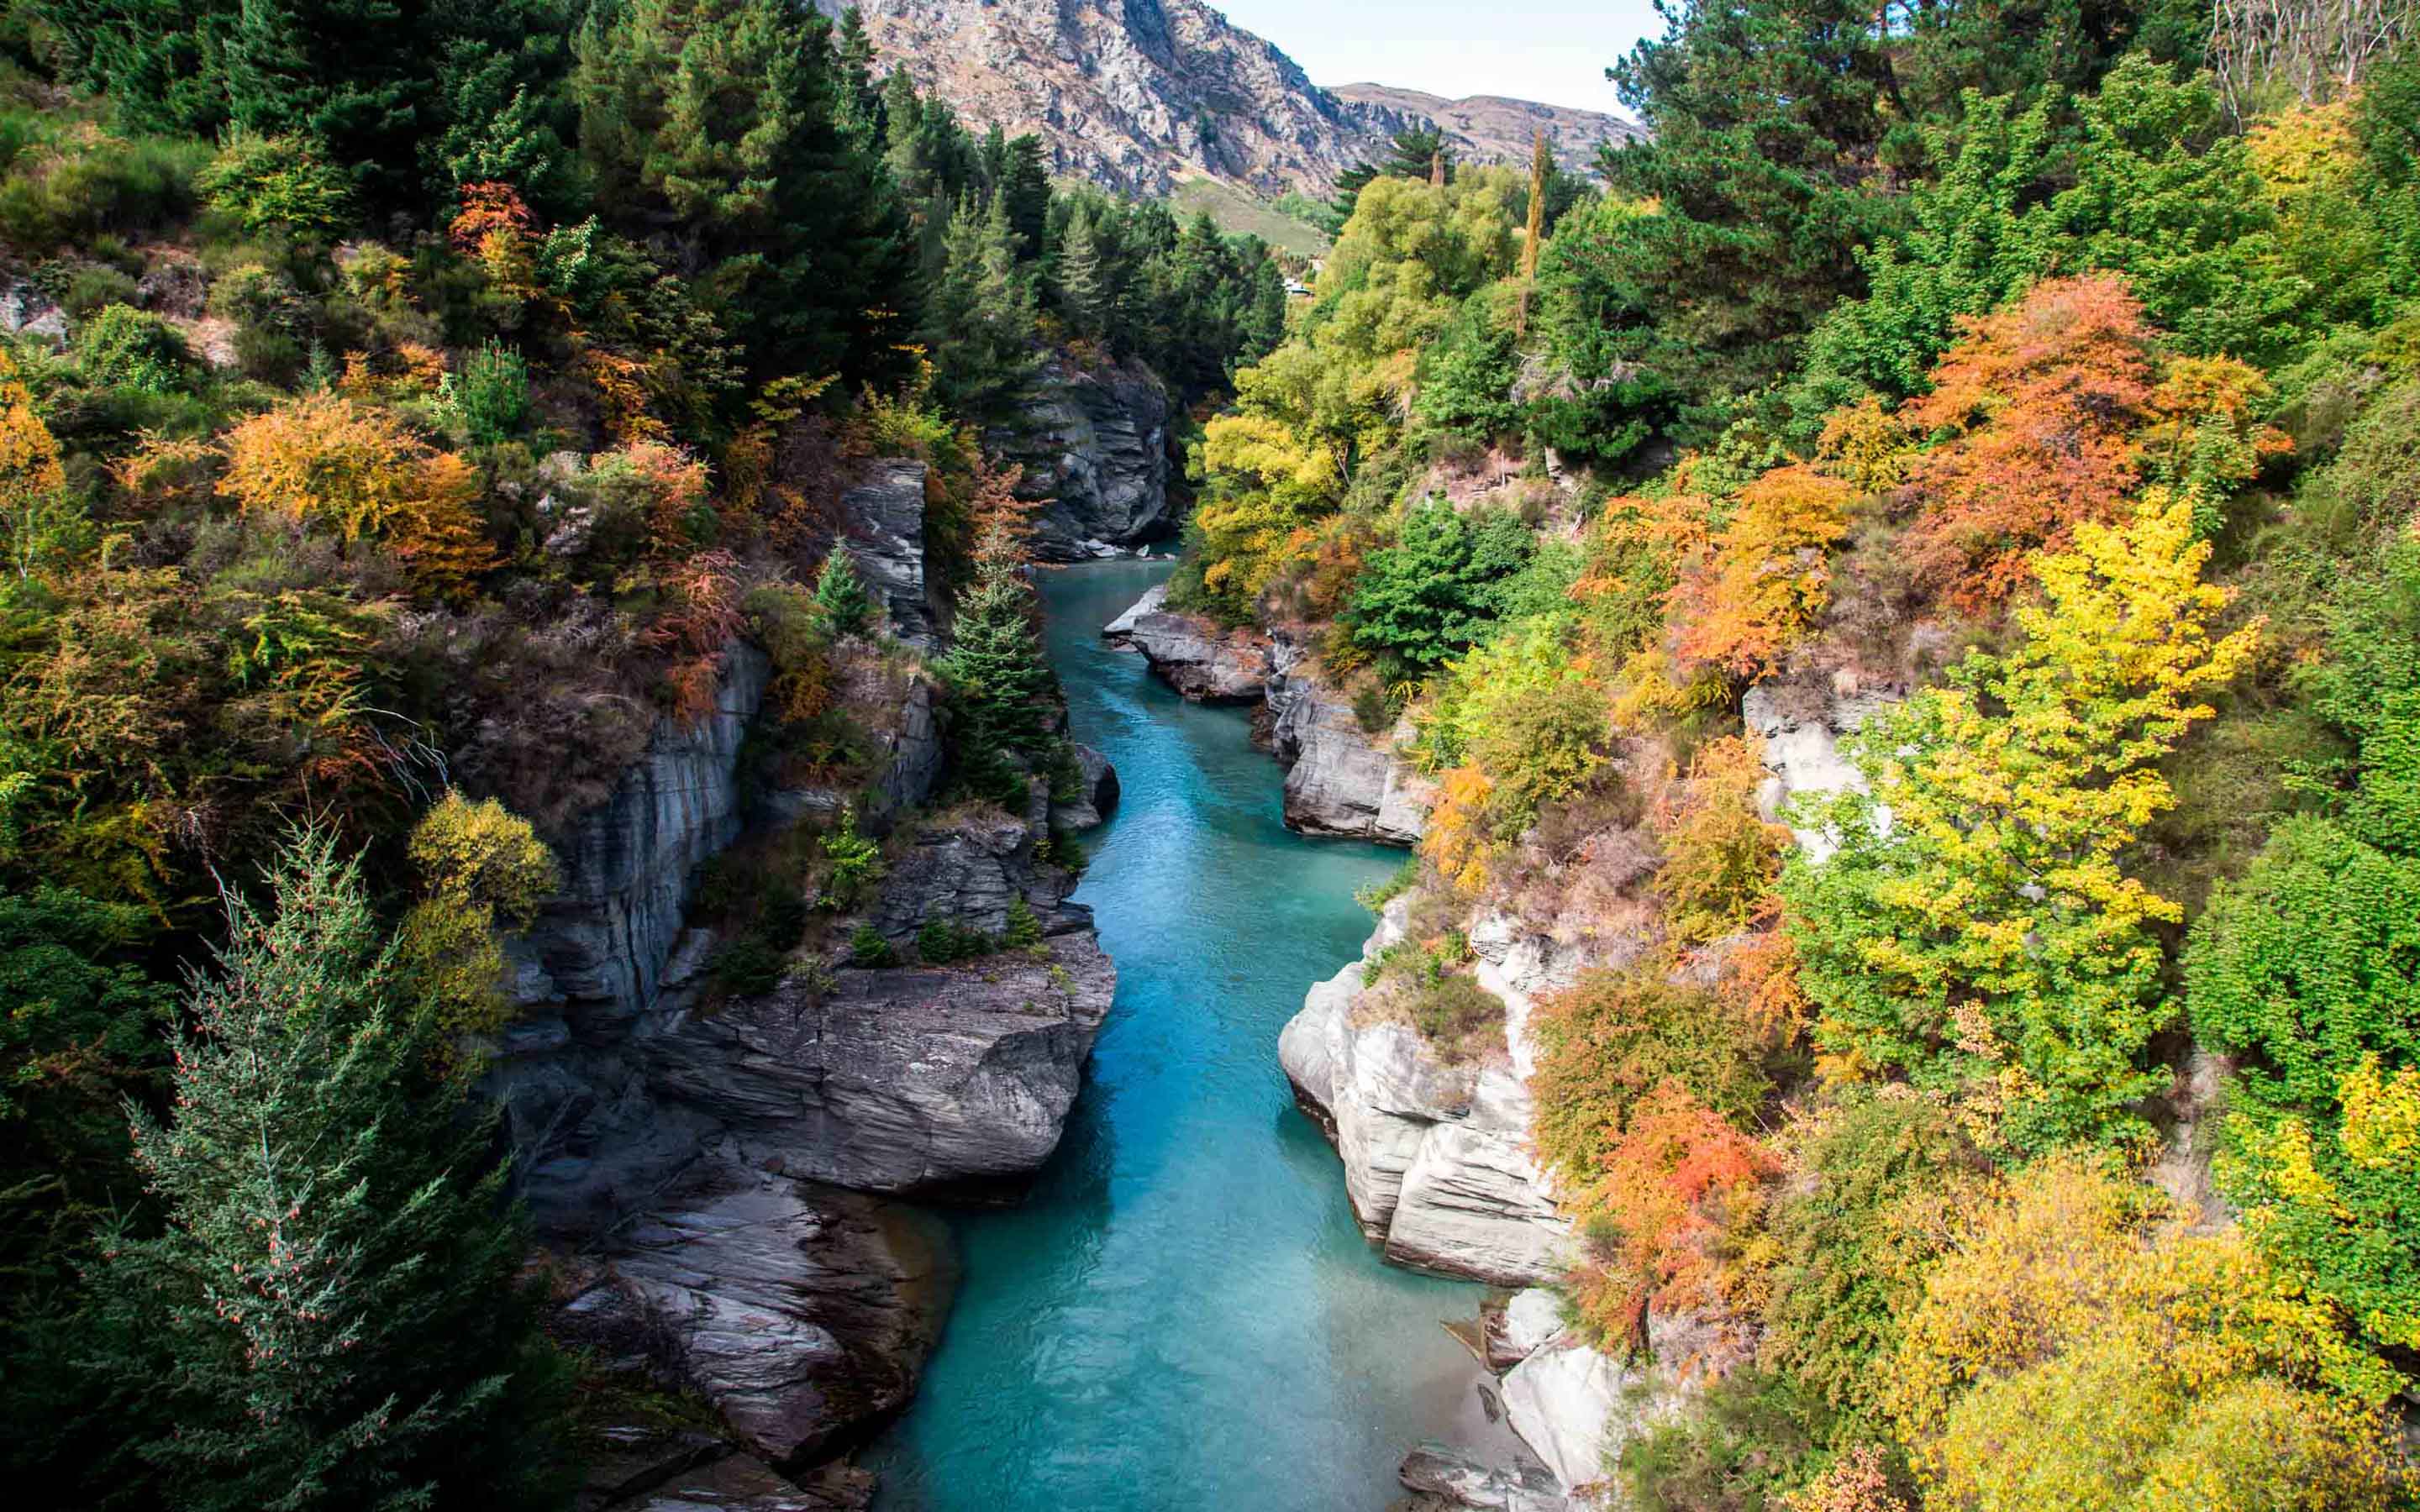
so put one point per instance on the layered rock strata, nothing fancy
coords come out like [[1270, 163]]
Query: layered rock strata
[[1435, 1151], [1093, 444], [1341, 780]]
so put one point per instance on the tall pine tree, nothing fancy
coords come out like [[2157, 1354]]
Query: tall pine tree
[[333, 1315]]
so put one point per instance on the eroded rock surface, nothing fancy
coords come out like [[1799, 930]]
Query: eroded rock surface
[[1802, 724], [1203, 662], [1436, 1153], [1339, 780], [1093, 442], [953, 1081], [885, 534]]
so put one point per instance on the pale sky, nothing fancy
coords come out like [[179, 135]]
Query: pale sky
[[1551, 50]]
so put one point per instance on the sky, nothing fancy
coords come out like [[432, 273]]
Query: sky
[[1551, 50]]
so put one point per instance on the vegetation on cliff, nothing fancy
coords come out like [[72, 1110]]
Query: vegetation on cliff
[[2025, 398], [406, 412]]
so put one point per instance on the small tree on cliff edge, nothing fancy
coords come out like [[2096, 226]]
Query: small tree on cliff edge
[[1002, 696], [333, 1315], [839, 592]]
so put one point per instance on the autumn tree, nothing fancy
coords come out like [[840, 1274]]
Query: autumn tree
[[345, 467], [1764, 578], [1979, 930]]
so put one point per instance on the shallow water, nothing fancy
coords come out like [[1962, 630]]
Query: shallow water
[[1183, 1314]]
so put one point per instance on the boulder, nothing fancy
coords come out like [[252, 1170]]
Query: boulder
[[1096, 793], [1529, 1319], [1120, 630], [1442, 1479], [941, 1081], [803, 1315], [1436, 1153], [1339, 780], [1094, 443], [1203, 662], [884, 531], [1576, 1407], [742, 1483]]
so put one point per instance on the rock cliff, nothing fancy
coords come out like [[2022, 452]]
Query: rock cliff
[[1339, 780], [1095, 444], [884, 531], [1435, 1151]]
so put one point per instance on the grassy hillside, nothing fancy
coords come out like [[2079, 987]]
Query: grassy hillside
[[1237, 213]]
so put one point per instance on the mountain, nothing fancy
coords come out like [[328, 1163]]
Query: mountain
[[1492, 129], [1142, 94]]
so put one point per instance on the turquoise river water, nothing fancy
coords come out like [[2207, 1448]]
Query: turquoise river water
[[1183, 1315]]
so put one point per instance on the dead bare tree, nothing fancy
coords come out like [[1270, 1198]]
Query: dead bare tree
[[2316, 48]]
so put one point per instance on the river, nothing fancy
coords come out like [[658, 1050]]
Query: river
[[1183, 1314]]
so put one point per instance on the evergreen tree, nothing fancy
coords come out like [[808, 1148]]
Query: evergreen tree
[[840, 594], [1084, 290], [981, 334], [1024, 189], [721, 114], [1004, 698], [333, 1316]]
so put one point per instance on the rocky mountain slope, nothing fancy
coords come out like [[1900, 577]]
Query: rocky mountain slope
[[1493, 129], [1139, 95]]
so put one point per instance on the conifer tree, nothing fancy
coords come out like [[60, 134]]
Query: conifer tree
[[1083, 281], [333, 1316], [1003, 693], [983, 312], [840, 594]]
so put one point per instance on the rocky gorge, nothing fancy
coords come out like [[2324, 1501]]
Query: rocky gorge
[[720, 1172]]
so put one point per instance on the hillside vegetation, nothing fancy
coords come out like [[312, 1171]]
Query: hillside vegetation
[[405, 413], [2028, 1123]]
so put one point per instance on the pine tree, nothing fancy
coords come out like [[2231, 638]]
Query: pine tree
[[840, 594], [333, 1316], [982, 333], [1084, 280], [1002, 695]]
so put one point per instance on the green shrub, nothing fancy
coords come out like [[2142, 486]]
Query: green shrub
[[1376, 896], [121, 346], [1456, 1014], [856, 862], [750, 966], [1024, 929], [782, 917], [1434, 593], [55, 191], [945, 940], [94, 286], [1737, 1447], [278, 184], [490, 396], [869, 949]]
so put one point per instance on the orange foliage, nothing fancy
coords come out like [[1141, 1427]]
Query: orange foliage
[[1744, 601], [1002, 522], [1762, 978], [1456, 843], [2040, 402], [411, 371], [1673, 1187], [494, 227], [329, 461], [700, 620], [676, 485]]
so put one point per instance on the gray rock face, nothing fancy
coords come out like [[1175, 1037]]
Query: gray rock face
[[1576, 1407], [939, 1081], [627, 866], [1093, 443], [1802, 726], [1203, 663], [886, 534], [803, 1314], [1339, 780], [26, 311], [1436, 1154], [1096, 793], [1442, 1478]]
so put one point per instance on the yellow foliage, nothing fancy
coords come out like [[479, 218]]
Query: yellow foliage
[[1457, 842], [1867, 445], [486, 854], [31, 478], [2078, 1345], [1720, 856], [330, 461]]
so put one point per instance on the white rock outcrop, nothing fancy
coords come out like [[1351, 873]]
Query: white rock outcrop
[[1436, 1153], [1802, 726]]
